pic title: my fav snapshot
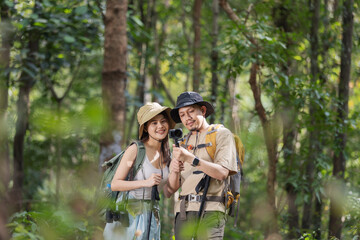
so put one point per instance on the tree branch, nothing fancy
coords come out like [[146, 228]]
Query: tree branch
[[52, 89], [232, 15], [168, 94], [257, 93], [98, 4], [248, 12]]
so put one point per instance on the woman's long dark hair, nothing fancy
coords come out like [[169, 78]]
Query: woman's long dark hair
[[165, 149]]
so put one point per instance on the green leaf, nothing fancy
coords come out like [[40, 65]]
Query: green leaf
[[34, 16], [85, 39], [42, 20], [282, 45], [297, 58], [81, 10], [137, 21], [9, 3], [39, 24], [29, 72], [69, 39]]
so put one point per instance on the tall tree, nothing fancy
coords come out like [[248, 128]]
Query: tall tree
[[271, 142], [268, 126], [143, 43], [339, 160], [158, 45], [214, 55], [314, 135], [58, 149], [197, 44], [145, 82], [114, 78], [4, 145], [4, 86], [26, 82], [188, 42], [282, 19]]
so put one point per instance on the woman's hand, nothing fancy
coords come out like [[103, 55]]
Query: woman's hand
[[154, 179]]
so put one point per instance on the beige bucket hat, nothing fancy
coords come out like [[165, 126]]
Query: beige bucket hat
[[150, 110]]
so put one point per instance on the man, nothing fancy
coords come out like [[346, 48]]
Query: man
[[191, 110]]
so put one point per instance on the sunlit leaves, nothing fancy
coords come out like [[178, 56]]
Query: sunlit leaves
[[69, 39], [64, 123]]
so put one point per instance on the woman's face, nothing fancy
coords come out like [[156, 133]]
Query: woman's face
[[158, 127]]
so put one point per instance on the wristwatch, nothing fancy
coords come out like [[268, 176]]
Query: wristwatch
[[195, 162]]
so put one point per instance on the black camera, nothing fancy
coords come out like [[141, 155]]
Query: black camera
[[118, 216], [176, 134]]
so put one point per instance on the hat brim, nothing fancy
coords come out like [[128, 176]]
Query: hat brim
[[175, 111], [167, 112]]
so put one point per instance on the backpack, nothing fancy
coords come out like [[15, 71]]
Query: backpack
[[108, 205], [233, 189]]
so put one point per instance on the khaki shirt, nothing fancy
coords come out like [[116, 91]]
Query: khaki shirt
[[225, 155]]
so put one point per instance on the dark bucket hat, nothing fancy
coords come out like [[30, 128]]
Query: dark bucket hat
[[190, 98]]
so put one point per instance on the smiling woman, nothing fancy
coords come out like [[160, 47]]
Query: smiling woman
[[143, 210]]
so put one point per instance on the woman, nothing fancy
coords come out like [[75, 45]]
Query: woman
[[155, 122]]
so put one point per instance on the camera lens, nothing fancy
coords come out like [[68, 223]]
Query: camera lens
[[178, 132]]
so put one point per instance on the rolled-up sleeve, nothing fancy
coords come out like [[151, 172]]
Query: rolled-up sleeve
[[225, 154]]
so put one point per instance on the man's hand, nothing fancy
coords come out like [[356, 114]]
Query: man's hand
[[182, 154], [214, 170], [176, 166]]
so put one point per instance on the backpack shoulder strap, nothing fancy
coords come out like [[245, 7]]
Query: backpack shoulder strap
[[210, 139], [112, 161], [185, 141], [140, 156]]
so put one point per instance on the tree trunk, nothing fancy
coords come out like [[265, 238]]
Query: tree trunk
[[188, 43], [268, 129], [4, 86], [289, 135], [314, 138], [145, 94], [26, 82], [317, 217], [281, 15], [197, 45], [271, 147], [214, 56], [293, 212], [23, 108], [234, 117], [158, 44], [114, 78], [58, 157], [339, 160], [4, 145], [224, 94]]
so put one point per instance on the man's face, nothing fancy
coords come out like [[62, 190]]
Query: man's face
[[192, 116]]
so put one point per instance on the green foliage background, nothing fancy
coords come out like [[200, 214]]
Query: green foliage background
[[71, 50]]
